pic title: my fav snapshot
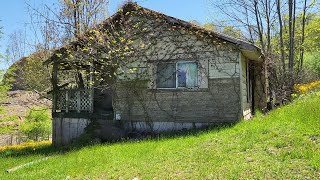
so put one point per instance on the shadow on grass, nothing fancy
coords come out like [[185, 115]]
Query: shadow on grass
[[49, 150], [183, 132]]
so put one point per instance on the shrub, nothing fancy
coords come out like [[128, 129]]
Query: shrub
[[312, 63], [37, 124]]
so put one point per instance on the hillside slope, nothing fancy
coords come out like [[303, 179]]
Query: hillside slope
[[14, 110], [284, 144]]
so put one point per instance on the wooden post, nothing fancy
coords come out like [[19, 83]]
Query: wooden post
[[91, 90], [54, 81]]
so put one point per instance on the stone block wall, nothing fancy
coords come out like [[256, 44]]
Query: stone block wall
[[219, 103]]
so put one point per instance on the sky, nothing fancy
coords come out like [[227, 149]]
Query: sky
[[14, 14]]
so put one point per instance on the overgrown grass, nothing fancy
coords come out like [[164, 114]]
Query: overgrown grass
[[285, 144]]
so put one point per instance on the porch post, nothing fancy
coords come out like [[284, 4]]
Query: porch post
[[54, 82], [91, 89]]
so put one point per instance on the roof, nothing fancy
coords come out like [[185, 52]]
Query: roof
[[248, 49]]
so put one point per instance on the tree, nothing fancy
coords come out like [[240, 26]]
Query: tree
[[312, 33], [36, 76], [303, 35], [14, 59], [281, 36], [28, 73], [53, 26], [280, 29], [232, 31], [292, 10], [3, 86], [210, 26], [80, 15], [37, 124], [16, 48]]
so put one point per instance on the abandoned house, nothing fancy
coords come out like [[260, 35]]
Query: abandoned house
[[144, 71]]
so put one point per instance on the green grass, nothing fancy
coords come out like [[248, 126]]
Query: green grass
[[9, 118], [285, 144]]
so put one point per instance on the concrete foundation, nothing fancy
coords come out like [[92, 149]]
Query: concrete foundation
[[158, 127]]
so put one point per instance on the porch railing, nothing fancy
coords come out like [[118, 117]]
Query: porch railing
[[75, 100]]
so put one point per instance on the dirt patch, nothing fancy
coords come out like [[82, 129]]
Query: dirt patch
[[19, 102]]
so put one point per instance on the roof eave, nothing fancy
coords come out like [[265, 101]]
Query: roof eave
[[252, 54]]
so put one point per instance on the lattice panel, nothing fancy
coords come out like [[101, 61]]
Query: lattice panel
[[85, 101], [74, 100], [61, 100]]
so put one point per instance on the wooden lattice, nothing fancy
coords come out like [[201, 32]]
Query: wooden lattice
[[61, 101], [74, 100], [85, 100]]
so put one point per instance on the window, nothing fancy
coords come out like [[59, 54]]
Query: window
[[177, 75], [166, 75]]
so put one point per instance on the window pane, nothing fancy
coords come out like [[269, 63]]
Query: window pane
[[187, 74], [166, 75]]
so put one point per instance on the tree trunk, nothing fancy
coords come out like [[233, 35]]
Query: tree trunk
[[267, 9], [291, 47], [281, 36], [292, 7], [302, 35], [256, 11]]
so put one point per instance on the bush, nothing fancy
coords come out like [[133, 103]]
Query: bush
[[312, 64], [37, 124]]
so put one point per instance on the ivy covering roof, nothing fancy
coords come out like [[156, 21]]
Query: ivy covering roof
[[249, 50]]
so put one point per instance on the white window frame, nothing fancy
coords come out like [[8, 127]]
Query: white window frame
[[176, 64]]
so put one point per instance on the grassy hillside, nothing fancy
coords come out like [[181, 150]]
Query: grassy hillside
[[283, 144]]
